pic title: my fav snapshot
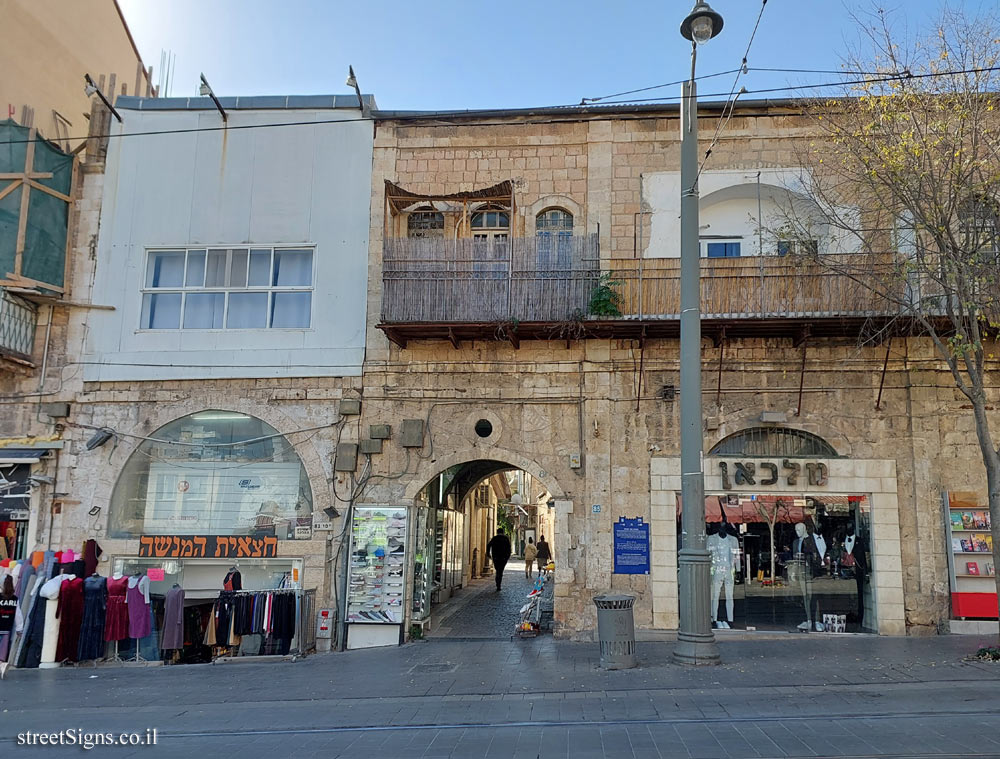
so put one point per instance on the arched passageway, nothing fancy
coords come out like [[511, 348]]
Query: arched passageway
[[455, 589]]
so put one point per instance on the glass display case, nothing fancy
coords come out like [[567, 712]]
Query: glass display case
[[423, 562], [377, 576]]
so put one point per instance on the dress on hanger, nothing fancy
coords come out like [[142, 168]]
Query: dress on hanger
[[116, 619], [95, 604], [91, 551], [137, 600], [173, 619], [70, 614]]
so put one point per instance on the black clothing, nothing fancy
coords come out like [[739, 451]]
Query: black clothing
[[8, 608], [31, 647], [95, 605], [498, 549], [233, 580], [544, 553]]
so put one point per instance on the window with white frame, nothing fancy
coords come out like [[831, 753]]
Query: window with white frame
[[228, 288], [721, 247]]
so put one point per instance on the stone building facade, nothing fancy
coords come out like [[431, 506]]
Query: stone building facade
[[591, 412], [484, 351]]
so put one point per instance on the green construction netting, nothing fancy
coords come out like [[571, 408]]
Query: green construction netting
[[44, 256]]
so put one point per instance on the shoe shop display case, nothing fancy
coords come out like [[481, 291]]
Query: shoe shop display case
[[376, 582], [970, 557]]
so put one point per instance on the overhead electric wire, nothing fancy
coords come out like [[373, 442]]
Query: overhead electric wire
[[587, 101], [731, 101], [904, 75], [449, 118]]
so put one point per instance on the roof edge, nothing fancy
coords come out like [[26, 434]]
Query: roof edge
[[586, 110], [246, 103]]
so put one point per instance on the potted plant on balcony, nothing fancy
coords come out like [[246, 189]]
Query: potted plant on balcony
[[605, 299]]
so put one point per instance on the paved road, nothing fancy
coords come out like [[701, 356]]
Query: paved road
[[804, 696], [479, 611]]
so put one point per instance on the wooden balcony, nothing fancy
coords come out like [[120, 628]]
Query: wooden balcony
[[465, 290]]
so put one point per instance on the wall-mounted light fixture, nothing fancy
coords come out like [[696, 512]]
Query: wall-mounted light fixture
[[93, 89], [206, 90], [99, 438]]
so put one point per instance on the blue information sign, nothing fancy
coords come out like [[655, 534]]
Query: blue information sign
[[631, 546]]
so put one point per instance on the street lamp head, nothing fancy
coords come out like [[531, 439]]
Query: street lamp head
[[701, 24]]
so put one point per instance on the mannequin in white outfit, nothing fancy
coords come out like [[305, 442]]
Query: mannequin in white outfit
[[724, 550]]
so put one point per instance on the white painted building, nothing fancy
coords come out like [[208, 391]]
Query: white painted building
[[233, 250], [741, 213]]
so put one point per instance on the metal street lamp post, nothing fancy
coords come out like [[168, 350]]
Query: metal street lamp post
[[695, 639]]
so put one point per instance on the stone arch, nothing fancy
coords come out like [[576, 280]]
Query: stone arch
[[829, 435], [793, 442], [162, 414], [517, 461], [555, 201]]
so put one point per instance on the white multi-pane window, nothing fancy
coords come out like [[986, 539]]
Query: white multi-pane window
[[228, 288]]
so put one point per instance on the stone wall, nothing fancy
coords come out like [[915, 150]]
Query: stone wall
[[549, 399]]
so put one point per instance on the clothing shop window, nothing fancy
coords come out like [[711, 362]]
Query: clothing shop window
[[791, 562], [15, 509], [554, 231], [774, 441], [213, 473], [228, 288]]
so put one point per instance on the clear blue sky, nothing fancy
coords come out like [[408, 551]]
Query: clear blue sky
[[442, 54]]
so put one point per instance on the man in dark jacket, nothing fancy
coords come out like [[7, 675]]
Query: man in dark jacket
[[498, 549]]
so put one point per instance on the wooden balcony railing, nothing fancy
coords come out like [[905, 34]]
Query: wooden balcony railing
[[538, 280], [476, 281], [745, 288]]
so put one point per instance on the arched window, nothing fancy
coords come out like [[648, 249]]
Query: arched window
[[212, 473], [773, 441], [490, 224], [425, 222], [554, 230]]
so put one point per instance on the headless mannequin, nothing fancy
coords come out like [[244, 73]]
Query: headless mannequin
[[723, 549], [801, 568], [854, 547]]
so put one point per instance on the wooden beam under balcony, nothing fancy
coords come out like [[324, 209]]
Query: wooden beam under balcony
[[714, 329]]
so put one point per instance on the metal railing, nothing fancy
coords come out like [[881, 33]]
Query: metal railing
[[18, 318]]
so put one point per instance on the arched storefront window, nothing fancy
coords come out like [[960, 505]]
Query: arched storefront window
[[213, 473], [774, 441]]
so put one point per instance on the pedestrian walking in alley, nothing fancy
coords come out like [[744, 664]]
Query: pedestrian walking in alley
[[543, 556], [530, 552], [498, 549]]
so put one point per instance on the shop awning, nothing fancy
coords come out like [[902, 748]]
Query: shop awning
[[764, 507]]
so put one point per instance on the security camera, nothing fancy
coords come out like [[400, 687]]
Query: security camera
[[42, 479]]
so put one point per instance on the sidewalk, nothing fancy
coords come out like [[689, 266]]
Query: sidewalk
[[803, 696]]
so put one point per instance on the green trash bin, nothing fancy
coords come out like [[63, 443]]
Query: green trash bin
[[616, 630]]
